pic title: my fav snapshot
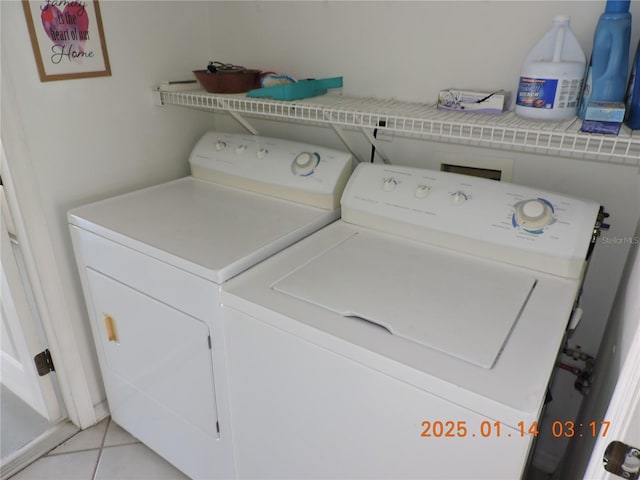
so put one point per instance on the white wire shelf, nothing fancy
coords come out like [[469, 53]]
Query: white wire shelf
[[506, 131]]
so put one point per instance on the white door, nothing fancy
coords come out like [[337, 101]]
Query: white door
[[20, 340], [623, 420], [623, 412]]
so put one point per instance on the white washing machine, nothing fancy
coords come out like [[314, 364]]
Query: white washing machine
[[415, 338], [151, 264]]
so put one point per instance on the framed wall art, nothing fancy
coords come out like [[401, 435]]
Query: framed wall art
[[67, 39]]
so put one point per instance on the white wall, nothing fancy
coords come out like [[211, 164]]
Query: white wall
[[92, 138], [396, 49]]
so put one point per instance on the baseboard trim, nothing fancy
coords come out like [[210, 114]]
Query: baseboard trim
[[102, 410], [35, 449]]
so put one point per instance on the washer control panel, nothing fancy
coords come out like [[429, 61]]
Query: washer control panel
[[472, 214], [295, 171]]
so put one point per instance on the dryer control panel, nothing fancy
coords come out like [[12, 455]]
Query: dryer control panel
[[294, 171], [504, 221]]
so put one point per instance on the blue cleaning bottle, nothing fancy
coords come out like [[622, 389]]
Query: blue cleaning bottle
[[632, 115], [606, 79]]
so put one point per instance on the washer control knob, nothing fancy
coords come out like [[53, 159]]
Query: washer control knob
[[459, 197], [534, 213], [261, 153], [389, 184], [220, 145], [240, 149], [533, 209], [305, 163], [422, 191]]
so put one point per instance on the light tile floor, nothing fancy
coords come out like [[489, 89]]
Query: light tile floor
[[19, 423], [102, 452], [107, 452]]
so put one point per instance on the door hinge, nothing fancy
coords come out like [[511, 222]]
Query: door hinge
[[209, 341], [622, 460], [44, 363], [218, 427]]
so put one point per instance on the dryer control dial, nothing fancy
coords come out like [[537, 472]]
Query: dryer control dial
[[220, 145], [422, 191], [459, 197], [305, 163], [533, 214], [389, 184]]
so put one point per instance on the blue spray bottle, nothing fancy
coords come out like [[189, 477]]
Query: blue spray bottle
[[606, 79], [632, 115]]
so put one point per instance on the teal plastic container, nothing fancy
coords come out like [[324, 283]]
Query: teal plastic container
[[632, 115], [298, 90], [606, 79]]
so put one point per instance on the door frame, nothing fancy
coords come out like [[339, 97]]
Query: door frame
[[18, 370], [25, 206], [624, 402]]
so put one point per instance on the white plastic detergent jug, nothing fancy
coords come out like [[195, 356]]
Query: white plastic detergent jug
[[552, 74]]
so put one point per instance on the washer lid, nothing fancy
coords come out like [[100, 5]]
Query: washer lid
[[455, 303]]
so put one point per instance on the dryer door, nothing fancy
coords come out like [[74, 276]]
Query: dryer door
[[158, 373]]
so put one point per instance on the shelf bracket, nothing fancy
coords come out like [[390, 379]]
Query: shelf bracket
[[156, 97], [239, 118], [376, 145], [157, 100], [243, 122], [342, 136], [372, 140]]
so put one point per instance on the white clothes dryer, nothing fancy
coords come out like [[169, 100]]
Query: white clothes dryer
[[151, 264], [414, 338]]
